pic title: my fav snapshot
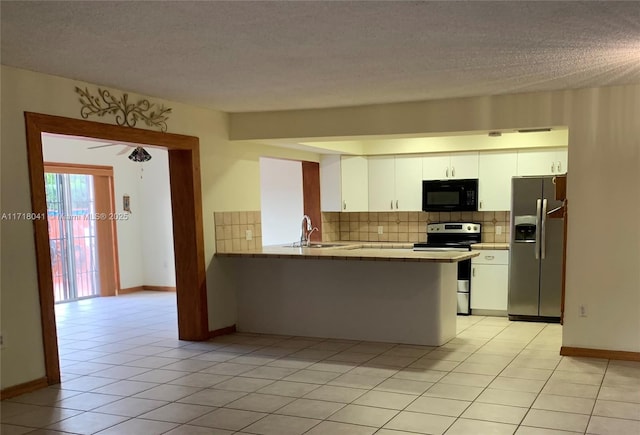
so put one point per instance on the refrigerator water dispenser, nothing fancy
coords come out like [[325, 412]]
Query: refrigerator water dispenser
[[525, 229]]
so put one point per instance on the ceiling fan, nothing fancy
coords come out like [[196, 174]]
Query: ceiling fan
[[139, 154]]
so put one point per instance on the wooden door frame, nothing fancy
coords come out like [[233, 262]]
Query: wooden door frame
[[186, 205]]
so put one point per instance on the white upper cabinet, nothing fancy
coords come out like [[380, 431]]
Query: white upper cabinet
[[436, 167], [494, 184], [464, 165], [455, 166], [395, 183], [562, 156], [382, 183], [550, 161], [408, 183], [344, 183], [355, 189]]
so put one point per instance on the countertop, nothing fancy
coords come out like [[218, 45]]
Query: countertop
[[483, 246], [355, 251]]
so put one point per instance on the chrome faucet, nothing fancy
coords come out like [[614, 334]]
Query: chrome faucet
[[307, 230]]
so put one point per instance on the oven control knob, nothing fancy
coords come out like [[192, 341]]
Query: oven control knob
[[475, 228], [469, 228]]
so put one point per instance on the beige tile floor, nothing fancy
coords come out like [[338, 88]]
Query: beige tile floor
[[124, 372]]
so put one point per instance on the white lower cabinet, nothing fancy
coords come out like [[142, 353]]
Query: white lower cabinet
[[490, 282]]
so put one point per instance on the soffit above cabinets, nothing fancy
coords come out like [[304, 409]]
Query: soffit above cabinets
[[476, 141]]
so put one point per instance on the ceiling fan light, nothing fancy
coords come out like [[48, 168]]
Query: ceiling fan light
[[140, 155]]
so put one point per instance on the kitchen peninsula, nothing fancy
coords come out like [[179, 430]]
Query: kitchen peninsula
[[373, 292]]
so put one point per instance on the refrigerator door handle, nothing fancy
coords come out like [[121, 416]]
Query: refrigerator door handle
[[543, 236], [537, 244]]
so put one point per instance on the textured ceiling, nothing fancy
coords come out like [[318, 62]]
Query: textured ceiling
[[255, 56]]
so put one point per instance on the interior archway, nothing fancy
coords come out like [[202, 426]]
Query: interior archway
[[186, 204]]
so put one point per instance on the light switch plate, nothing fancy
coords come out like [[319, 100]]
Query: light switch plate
[[380, 230], [249, 235], [498, 229]]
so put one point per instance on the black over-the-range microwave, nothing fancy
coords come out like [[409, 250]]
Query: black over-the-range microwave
[[450, 195]]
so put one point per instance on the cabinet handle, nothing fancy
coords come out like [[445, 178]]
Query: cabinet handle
[[553, 167], [447, 172], [473, 272], [344, 205], [453, 171], [480, 204], [559, 166], [391, 204], [396, 203], [489, 257]]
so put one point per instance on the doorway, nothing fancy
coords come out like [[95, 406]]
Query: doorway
[[72, 236], [84, 258], [289, 189], [186, 204]]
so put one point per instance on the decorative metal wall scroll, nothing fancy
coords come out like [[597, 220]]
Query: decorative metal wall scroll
[[126, 113]]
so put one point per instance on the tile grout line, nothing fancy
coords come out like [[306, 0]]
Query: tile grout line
[[484, 388], [159, 341], [586, 429], [545, 382]]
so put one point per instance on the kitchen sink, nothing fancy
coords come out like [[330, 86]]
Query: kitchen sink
[[323, 245], [314, 245]]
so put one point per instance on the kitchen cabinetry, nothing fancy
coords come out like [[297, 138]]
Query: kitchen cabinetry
[[490, 282], [395, 183], [551, 161], [455, 166], [344, 183], [495, 170]]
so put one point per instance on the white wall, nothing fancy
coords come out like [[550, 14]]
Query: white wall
[[157, 224], [603, 252], [145, 239], [282, 201]]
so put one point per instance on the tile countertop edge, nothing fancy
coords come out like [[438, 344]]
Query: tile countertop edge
[[356, 251], [496, 246]]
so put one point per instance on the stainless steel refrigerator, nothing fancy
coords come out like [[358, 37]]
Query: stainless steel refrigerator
[[535, 267]]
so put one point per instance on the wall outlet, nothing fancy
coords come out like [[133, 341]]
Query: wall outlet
[[498, 229], [249, 235], [380, 230], [583, 310]]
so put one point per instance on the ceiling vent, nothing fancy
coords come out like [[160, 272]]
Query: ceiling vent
[[533, 130]]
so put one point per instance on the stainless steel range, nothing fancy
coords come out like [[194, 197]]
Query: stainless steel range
[[454, 236]]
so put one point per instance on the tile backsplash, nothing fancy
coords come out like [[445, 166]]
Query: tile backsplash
[[407, 226], [331, 227], [231, 227], [231, 230]]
